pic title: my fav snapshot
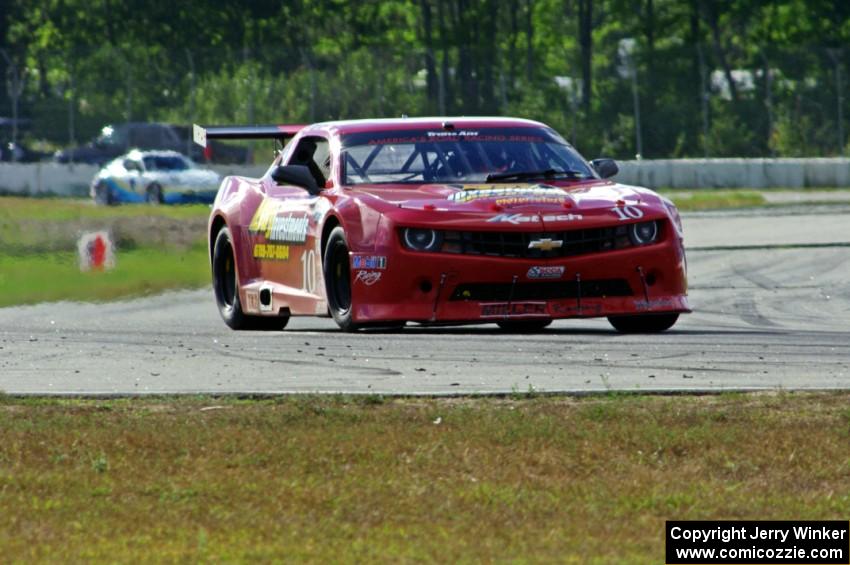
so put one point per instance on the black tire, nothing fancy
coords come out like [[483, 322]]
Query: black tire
[[523, 326], [153, 195], [226, 290], [337, 272], [102, 195], [643, 323]]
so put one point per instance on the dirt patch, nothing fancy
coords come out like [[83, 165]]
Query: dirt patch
[[39, 236]]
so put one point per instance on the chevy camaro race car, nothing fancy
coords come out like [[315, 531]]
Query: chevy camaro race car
[[440, 221], [155, 177]]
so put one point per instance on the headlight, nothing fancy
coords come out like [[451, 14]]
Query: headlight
[[643, 233], [422, 239]]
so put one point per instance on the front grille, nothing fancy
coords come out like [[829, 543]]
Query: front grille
[[549, 290], [515, 244]]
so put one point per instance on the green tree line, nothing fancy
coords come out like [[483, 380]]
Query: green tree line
[[664, 78]]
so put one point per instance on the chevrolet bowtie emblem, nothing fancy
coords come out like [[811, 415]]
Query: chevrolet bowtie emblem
[[546, 244]]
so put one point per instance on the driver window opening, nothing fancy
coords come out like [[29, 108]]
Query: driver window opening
[[313, 153]]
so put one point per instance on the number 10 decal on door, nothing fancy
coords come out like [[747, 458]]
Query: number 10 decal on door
[[308, 268]]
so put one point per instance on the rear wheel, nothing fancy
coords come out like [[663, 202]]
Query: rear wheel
[[153, 195], [102, 194], [337, 273], [523, 326], [643, 323], [226, 289]]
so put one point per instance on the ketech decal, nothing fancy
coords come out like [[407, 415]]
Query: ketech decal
[[289, 228], [505, 309], [517, 219], [545, 272]]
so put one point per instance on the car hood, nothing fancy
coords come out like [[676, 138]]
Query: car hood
[[511, 203]]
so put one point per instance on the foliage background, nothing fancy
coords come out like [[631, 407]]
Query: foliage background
[[88, 63]]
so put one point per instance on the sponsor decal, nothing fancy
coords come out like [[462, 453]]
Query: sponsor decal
[[525, 200], [252, 298], [502, 186], [271, 251], [453, 136], [289, 228], [505, 309], [368, 277], [264, 215], [573, 309], [461, 133], [545, 272], [517, 219], [655, 304], [546, 244], [476, 192], [368, 262]]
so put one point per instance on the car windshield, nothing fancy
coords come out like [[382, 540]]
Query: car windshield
[[472, 155], [165, 163]]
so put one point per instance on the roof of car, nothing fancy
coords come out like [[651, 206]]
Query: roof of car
[[460, 122]]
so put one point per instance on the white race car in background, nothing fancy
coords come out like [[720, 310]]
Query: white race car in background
[[155, 177]]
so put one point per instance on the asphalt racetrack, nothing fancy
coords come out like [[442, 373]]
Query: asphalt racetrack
[[770, 291]]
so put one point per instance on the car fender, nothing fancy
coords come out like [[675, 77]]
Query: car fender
[[360, 222], [233, 207]]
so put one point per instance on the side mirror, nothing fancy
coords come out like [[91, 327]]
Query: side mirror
[[299, 175], [606, 168]]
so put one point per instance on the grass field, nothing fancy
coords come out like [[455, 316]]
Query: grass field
[[157, 248], [716, 199], [444, 480], [29, 279]]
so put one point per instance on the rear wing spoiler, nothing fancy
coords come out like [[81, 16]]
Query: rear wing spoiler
[[281, 133]]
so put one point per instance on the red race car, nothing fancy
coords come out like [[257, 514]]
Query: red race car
[[440, 221]]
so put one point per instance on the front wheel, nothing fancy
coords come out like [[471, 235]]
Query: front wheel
[[643, 323], [102, 194], [226, 289], [153, 195], [337, 271]]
